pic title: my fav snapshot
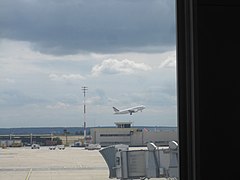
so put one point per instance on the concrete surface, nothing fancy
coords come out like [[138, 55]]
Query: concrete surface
[[44, 164]]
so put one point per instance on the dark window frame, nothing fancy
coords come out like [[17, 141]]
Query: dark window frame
[[187, 88]]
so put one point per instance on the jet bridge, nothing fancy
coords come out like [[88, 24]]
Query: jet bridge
[[154, 162]]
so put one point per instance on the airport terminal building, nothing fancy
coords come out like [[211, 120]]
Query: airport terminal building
[[124, 133]]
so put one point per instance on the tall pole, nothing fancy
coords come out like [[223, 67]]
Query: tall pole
[[84, 88]]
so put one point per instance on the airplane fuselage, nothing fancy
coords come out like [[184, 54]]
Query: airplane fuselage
[[129, 110]]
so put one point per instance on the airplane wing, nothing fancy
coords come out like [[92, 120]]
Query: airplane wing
[[131, 111]]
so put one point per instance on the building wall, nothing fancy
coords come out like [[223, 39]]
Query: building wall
[[109, 136], [131, 136], [11, 143], [69, 140], [160, 138]]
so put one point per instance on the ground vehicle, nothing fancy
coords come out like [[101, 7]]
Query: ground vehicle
[[35, 146], [52, 147], [93, 146], [77, 144], [61, 147]]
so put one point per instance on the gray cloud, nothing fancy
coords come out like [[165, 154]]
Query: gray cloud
[[67, 27], [15, 98], [65, 77]]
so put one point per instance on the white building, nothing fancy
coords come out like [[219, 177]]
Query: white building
[[123, 133]]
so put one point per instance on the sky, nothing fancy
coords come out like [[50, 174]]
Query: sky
[[123, 51]]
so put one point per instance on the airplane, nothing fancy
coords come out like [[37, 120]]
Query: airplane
[[129, 110]]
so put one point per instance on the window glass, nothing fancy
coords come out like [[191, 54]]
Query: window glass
[[72, 70]]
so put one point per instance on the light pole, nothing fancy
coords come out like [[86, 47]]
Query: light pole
[[84, 88], [66, 133]]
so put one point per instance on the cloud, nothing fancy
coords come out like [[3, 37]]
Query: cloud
[[65, 77], [7, 80], [69, 27], [16, 98], [59, 105], [169, 61], [114, 66]]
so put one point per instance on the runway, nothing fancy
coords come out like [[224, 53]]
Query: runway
[[44, 164]]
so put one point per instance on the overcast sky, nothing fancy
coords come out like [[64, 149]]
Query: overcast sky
[[124, 51]]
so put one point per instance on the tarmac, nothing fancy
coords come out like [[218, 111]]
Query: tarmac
[[72, 163]]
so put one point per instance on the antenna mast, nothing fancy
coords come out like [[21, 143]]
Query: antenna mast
[[84, 88]]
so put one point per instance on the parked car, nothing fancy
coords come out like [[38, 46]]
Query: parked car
[[61, 147], [77, 144], [93, 146], [35, 146], [52, 147]]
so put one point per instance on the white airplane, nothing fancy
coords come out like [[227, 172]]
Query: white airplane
[[129, 110]]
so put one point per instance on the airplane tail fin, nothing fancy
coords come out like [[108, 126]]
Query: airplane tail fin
[[115, 109]]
